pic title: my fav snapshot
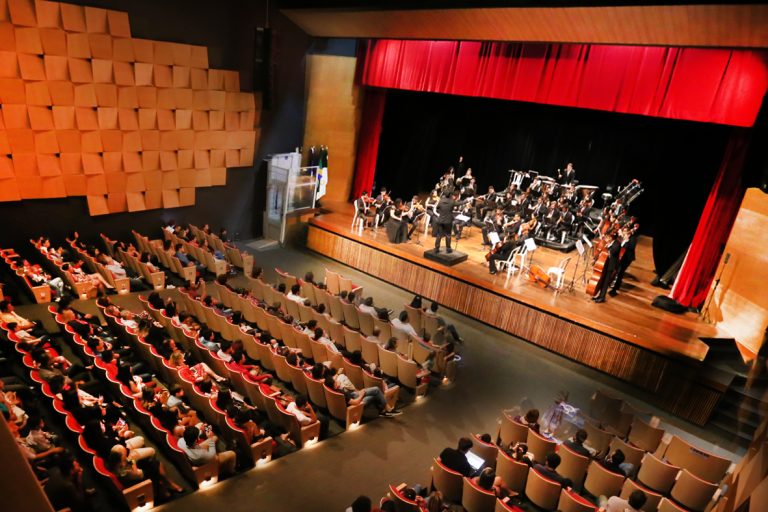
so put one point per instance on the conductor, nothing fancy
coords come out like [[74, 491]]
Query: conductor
[[444, 222]]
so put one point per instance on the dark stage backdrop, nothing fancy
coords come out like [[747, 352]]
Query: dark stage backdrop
[[424, 133]]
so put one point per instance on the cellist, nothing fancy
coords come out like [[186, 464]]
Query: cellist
[[613, 248]]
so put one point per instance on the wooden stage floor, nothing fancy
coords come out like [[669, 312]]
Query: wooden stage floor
[[629, 316]]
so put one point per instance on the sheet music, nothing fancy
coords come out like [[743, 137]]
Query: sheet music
[[462, 218], [494, 238], [580, 247], [530, 244]]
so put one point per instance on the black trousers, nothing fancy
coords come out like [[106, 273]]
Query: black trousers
[[623, 266], [443, 231]]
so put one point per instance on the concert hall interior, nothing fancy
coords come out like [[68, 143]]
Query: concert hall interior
[[368, 255]]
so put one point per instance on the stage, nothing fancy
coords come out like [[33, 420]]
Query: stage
[[624, 337]]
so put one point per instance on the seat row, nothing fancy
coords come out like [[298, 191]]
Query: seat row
[[83, 289], [234, 256], [40, 292], [122, 285]]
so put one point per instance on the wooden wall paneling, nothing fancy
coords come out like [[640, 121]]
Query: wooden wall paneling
[[675, 385], [62, 93], [9, 65], [101, 46], [56, 67], [117, 202], [54, 41], [32, 67], [96, 20], [48, 14], [28, 41], [78, 46], [132, 141], [22, 12], [122, 50], [118, 24]]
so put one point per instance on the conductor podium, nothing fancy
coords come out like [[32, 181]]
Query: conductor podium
[[444, 257]]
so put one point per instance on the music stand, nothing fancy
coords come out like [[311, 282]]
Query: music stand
[[582, 252]]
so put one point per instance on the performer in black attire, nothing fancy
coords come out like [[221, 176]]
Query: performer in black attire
[[510, 242], [567, 176], [610, 268], [444, 222], [629, 244]]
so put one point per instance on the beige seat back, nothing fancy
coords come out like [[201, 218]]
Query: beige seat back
[[644, 436], [657, 474], [652, 498], [572, 465], [369, 350], [510, 431], [476, 499], [601, 482], [704, 465], [572, 502], [539, 446], [513, 473], [447, 481], [541, 491], [692, 492]]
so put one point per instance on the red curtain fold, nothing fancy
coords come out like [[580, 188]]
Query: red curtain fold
[[710, 85], [701, 261], [368, 142]]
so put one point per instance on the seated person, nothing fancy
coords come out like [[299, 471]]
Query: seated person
[[306, 415], [615, 463], [401, 323], [487, 480], [130, 472], [549, 470], [576, 444], [8, 315], [519, 452], [530, 420], [456, 458], [634, 503], [200, 448], [353, 396]]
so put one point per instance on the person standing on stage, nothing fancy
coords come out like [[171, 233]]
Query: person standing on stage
[[444, 223], [567, 176], [628, 244], [611, 266]]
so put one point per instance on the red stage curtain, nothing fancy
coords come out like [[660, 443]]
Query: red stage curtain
[[698, 270], [368, 143], [710, 85]]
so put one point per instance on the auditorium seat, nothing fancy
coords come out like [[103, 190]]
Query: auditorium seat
[[541, 491], [667, 505], [350, 415], [447, 481], [572, 465], [652, 498], [513, 473], [385, 329], [700, 463], [353, 340], [354, 373], [351, 318], [486, 451], [571, 502], [366, 322], [539, 446], [387, 362], [692, 492], [475, 499], [402, 504], [332, 282], [657, 474], [409, 375], [597, 439], [644, 436], [137, 497], [316, 391], [510, 431], [369, 350], [391, 393], [414, 317], [632, 455], [602, 482]]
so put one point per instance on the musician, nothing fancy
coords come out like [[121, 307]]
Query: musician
[[469, 188], [397, 225], [550, 219], [502, 253], [464, 180], [459, 225], [629, 237], [486, 203], [414, 212], [429, 207], [444, 223], [613, 246], [567, 176], [494, 224], [565, 223], [512, 227], [383, 204], [363, 207]]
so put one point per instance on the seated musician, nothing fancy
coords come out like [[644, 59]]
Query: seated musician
[[383, 204], [495, 224], [414, 212], [513, 226], [429, 207], [486, 203], [550, 219], [459, 225], [503, 252], [397, 225], [469, 188], [363, 208], [565, 223]]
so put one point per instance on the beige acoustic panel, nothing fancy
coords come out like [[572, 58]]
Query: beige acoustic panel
[[129, 123]]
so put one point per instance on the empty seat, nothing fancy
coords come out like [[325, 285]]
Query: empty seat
[[572, 465], [657, 474], [704, 465], [597, 439], [572, 502], [644, 436], [692, 492], [539, 446], [510, 431], [602, 482], [541, 491], [667, 505]]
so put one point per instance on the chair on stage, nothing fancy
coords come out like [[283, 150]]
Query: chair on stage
[[558, 272], [509, 263]]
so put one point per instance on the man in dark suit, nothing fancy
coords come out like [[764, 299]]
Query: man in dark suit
[[444, 221], [576, 444], [549, 470], [610, 268], [456, 459], [629, 244]]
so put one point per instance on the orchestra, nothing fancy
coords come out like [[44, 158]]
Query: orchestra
[[553, 211]]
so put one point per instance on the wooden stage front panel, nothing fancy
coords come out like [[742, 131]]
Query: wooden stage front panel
[[673, 376]]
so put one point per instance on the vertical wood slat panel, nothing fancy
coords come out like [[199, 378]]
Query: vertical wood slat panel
[[672, 384]]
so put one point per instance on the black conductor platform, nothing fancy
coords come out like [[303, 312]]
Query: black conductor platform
[[444, 257]]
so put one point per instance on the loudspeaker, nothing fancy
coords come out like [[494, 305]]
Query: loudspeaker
[[667, 304], [262, 64]]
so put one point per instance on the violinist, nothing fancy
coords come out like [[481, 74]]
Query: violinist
[[430, 206], [383, 204], [502, 252], [494, 224], [363, 207], [629, 236], [469, 188], [397, 225], [413, 214], [613, 246], [459, 225], [513, 226], [485, 203]]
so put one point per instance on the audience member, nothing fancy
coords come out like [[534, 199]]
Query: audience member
[[576, 444], [456, 458], [549, 470], [634, 503]]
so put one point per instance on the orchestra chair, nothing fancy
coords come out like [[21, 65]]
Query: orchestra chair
[[644, 436], [572, 502], [513, 473], [602, 482], [656, 474], [539, 446], [692, 492], [667, 505], [520, 257], [447, 481], [652, 498], [402, 504], [475, 499], [510, 431], [509, 264], [597, 439], [707, 466], [486, 451], [541, 491], [572, 465], [558, 272], [632, 455]]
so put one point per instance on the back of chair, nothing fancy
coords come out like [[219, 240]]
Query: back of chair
[[657, 474], [692, 492], [332, 282], [351, 339], [304, 343], [366, 322], [350, 415], [601, 482], [598, 439], [510, 431], [315, 391], [447, 481], [350, 315], [414, 317], [541, 491], [704, 465], [572, 465], [572, 502], [476, 499], [429, 324], [513, 473], [337, 311], [354, 373], [369, 349], [402, 504], [644, 436], [308, 292], [539, 445], [632, 455], [605, 407], [387, 362], [407, 374], [298, 381], [667, 505], [652, 498], [486, 451], [385, 328]]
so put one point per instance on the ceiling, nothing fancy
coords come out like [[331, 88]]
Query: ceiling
[[703, 25]]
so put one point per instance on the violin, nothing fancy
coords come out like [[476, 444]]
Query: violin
[[496, 248]]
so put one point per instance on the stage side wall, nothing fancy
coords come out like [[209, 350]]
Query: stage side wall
[[740, 303], [334, 105]]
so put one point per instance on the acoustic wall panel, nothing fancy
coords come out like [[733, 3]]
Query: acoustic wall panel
[[131, 124]]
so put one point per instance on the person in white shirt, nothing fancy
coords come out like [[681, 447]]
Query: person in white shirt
[[294, 294], [401, 323], [634, 503], [320, 337], [201, 450], [367, 306]]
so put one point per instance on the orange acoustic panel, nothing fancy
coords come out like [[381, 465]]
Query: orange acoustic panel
[[130, 123]]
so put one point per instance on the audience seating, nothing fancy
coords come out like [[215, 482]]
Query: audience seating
[[571, 502], [475, 499], [541, 491], [656, 474], [653, 498], [514, 474], [632, 455], [602, 482], [402, 504], [572, 465], [486, 451], [597, 439], [41, 293], [447, 481], [667, 505], [644, 436], [83, 289], [539, 445], [692, 492], [351, 415], [700, 463]]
